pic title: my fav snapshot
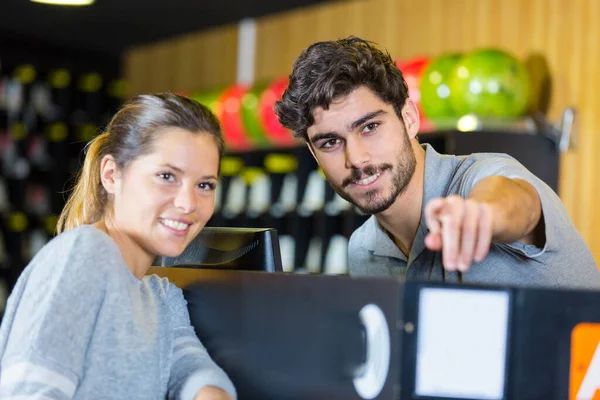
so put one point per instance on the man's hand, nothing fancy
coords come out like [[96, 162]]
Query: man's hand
[[461, 229], [212, 393]]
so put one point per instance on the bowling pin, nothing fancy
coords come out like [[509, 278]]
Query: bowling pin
[[14, 99], [37, 240], [337, 205], [260, 196], [287, 247], [336, 257], [41, 101], [236, 198], [314, 195], [287, 196], [312, 262]]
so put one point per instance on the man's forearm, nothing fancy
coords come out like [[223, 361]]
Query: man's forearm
[[516, 207]]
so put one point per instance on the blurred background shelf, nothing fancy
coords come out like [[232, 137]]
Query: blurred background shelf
[[285, 189]]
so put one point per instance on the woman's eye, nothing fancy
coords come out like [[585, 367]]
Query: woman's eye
[[207, 186], [167, 176]]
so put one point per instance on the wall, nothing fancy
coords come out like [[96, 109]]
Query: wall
[[191, 62], [565, 33]]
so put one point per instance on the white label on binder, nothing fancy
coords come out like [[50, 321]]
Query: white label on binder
[[462, 342]]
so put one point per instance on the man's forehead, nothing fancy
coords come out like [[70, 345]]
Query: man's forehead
[[319, 114], [342, 108], [342, 112], [324, 120]]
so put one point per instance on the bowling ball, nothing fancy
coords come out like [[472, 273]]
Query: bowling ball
[[435, 87], [489, 83], [412, 70], [230, 115], [250, 117], [210, 99], [276, 133]]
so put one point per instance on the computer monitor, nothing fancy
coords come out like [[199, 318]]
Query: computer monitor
[[297, 337], [245, 249]]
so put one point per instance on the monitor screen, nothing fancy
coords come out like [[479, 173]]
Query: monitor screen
[[248, 249]]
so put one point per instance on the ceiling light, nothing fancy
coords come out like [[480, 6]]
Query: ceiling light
[[65, 2]]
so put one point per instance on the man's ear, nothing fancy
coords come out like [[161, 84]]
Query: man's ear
[[109, 173], [410, 115]]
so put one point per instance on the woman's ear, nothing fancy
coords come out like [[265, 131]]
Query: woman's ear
[[109, 173]]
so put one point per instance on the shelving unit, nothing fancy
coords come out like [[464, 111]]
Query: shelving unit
[[47, 115]]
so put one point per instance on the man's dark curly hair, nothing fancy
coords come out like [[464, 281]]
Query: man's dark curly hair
[[326, 71]]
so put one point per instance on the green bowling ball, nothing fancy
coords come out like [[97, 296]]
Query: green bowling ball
[[435, 87], [489, 83], [210, 99], [250, 117]]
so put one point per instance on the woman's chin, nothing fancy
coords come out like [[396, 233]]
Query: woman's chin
[[171, 252]]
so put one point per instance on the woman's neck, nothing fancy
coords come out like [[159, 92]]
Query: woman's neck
[[136, 258]]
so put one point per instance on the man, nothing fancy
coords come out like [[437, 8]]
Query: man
[[482, 218]]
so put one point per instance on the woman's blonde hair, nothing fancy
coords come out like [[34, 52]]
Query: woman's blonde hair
[[130, 134]]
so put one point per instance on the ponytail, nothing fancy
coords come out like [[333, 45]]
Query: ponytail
[[87, 202]]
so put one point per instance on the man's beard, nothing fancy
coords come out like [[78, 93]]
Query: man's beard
[[402, 174]]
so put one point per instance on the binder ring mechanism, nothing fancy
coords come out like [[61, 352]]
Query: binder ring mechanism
[[372, 375]]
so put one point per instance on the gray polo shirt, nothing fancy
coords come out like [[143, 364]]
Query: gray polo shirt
[[564, 261]]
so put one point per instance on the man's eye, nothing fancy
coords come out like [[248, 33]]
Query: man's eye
[[330, 143], [370, 127]]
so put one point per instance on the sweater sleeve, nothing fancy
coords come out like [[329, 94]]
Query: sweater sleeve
[[192, 368], [51, 316]]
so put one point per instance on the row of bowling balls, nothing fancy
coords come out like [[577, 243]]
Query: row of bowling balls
[[247, 116], [489, 83]]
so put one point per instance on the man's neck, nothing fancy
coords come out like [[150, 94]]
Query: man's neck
[[401, 220]]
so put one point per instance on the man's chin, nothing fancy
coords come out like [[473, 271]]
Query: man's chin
[[373, 207], [366, 205]]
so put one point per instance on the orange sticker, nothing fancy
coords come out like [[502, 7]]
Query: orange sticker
[[585, 362]]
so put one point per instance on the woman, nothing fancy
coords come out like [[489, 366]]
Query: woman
[[84, 321]]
